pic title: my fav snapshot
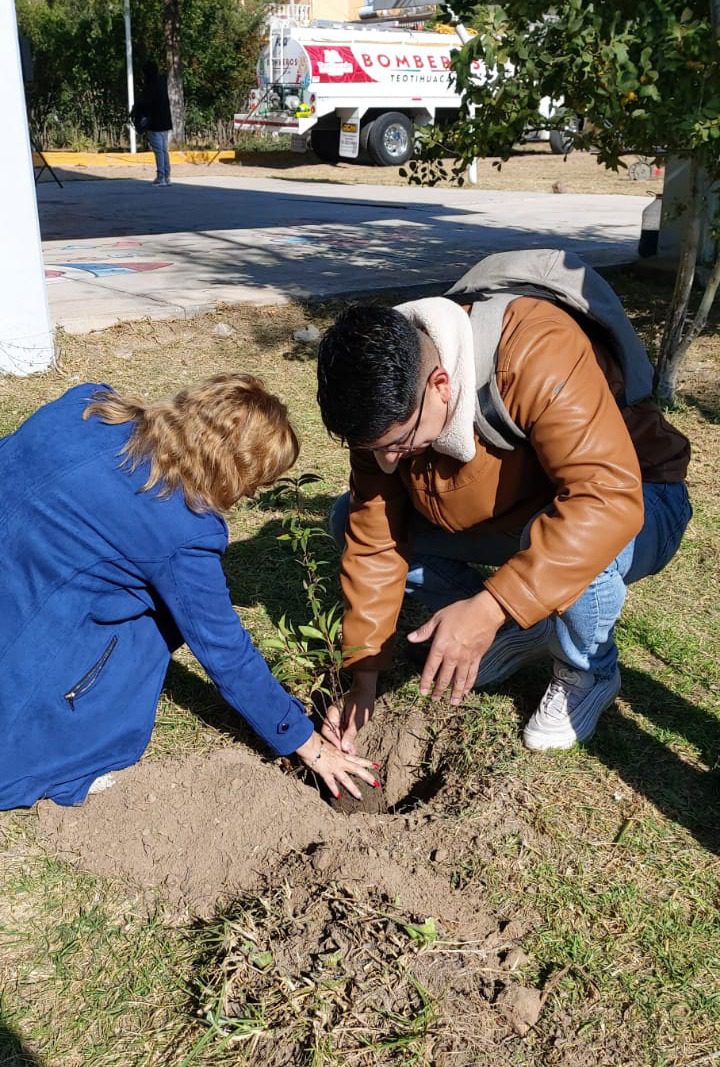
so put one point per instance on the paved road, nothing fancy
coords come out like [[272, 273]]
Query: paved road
[[123, 249]]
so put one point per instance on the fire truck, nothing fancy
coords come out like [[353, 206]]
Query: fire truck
[[354, 91]]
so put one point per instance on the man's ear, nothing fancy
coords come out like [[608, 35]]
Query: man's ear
[[441, 382]]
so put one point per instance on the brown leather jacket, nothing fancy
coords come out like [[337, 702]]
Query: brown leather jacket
[[580, 474]]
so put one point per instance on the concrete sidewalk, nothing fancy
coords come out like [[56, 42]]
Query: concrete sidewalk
[[124, 249]]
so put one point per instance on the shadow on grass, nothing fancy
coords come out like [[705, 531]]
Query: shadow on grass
[[685, 793], [679, 788], [262, 570], [709, 408], [200, 697], [13, 1051]]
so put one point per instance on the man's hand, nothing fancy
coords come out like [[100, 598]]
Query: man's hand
[[341, 727], [462, 633]]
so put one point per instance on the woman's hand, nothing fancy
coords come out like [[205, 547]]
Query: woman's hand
[[336, 767], [341, 726]]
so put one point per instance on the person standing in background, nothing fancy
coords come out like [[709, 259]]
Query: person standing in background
[[153, 108]]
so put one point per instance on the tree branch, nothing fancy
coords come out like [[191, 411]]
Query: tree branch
[[701, 316], [668, 359]]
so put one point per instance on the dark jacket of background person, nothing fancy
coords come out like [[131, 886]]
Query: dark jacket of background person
[[154, 104], [100, 583]]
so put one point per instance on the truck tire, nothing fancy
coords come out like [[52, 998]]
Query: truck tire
[[325, 144], [390, 140], [561, 142], [560, 145]]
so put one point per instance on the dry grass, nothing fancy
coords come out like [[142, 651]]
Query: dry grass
[[531, 169], [290, 980]]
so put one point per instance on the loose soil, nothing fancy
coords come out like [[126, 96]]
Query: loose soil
[[201, 835], [250, 816]]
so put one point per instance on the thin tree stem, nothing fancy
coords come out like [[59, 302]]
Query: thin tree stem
[[666, 370], [701, 316]]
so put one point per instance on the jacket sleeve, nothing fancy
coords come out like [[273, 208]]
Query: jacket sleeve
[[553, 388], [192, 584], [374, 564]]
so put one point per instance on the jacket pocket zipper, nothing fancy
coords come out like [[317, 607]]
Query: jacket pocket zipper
[[90, 677]]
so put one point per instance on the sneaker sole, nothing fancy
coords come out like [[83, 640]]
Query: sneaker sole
[[537, 741]]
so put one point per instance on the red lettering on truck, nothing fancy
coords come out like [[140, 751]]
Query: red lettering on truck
[[332, 64]]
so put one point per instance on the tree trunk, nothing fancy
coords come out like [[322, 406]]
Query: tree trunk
[[701, 316], [671, 348], [173, 63]]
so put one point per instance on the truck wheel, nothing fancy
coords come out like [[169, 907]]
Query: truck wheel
[[363, 155], [561, 142], [325, 144], [390, 141]]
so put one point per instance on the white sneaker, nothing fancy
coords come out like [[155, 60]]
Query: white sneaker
[[105, 781], [511, 650], [570, 709]]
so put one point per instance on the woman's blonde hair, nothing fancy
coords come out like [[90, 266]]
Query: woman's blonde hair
[[216, 441]]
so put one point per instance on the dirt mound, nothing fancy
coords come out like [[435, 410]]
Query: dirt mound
[[208, 829], [200, 831], [354, 913], [400, 743]]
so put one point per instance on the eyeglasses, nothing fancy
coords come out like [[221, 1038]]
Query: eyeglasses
[[399, 446]]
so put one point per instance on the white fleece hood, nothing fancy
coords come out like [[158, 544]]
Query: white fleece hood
[[449, 329]]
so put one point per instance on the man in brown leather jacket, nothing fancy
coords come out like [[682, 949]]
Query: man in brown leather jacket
[[593, 500]]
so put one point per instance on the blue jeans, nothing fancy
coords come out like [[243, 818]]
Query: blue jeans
[[158, 141], [583, 636]]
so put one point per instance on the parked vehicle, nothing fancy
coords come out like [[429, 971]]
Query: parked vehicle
[[355, 90]]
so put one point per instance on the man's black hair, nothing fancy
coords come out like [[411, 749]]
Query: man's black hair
[[369, 364]]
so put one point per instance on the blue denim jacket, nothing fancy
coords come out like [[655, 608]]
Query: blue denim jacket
[[100, 583]]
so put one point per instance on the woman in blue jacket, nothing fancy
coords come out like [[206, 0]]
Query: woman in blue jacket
[[112, 537]]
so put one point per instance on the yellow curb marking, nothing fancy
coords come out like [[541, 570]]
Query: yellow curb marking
[[125, 159]]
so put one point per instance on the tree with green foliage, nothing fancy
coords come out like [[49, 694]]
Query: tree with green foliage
[[221, 43], [78, 79], [78, 94], [641, 76]]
